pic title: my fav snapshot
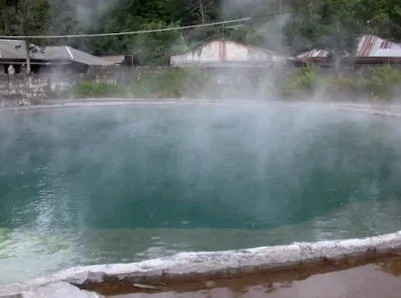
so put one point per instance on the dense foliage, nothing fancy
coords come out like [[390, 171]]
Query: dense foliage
[[369, 84], [381, 83], [335, 24], [282, 25]]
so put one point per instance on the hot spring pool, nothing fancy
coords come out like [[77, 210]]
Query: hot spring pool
[[93, 185]]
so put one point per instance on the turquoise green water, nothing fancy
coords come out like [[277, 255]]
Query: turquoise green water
[[119, 184]]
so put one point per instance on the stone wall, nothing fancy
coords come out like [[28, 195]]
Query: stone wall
[[20, 89]]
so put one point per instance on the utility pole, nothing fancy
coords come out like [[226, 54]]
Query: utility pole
[[5, 16], [281, 31], [28, 57], [223, 42]]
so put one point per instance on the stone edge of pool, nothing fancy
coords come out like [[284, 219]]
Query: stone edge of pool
[[372, 108], [204, 264]]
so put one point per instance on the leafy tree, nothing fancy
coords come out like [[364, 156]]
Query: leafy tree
[[25, 18], [335, 25], [323, 24], [380, 17], [61, 21], [330, 24], [157, 47]]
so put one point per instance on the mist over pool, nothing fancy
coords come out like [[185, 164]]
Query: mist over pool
[[110, 184]]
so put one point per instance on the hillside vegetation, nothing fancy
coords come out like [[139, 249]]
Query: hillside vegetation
[[287, 25]]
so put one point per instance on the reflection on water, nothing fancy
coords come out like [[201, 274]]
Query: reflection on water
[[122, 184]]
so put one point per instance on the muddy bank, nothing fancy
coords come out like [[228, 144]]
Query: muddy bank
[[356, 278], [382, 278], [389, 264]]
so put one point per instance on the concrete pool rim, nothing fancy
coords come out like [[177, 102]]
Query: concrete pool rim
[[210, 264], [383, 109]]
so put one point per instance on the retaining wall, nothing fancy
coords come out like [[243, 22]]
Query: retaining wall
[[21, 89]]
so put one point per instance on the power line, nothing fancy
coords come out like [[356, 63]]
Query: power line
[[123, 33], [141, 31]]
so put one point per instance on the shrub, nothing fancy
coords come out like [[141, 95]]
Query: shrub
[[301, 82], [349, 86], [381, 81], [92, 89], [175, 82], [373, 82], [144, 85]]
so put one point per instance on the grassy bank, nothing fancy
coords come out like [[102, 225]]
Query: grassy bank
[[167, 84], [171, 83], [381, 83]]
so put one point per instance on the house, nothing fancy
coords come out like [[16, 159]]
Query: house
[[61, 56], [221, 53], [371, 50], [374, 50], [128, 60], [13, 52]]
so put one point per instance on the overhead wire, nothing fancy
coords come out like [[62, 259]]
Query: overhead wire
[[124, 32], [137, 32]]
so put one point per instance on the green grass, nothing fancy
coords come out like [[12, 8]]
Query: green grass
[[382, 83], [93, 89], [175, 82]]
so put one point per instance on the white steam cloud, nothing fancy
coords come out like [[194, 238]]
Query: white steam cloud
[[84, 13]]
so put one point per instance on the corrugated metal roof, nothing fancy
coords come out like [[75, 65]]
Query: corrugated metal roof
[[66, 53], [369, 46], [218, 52], [313, 54], [373, 46], [16, 49]]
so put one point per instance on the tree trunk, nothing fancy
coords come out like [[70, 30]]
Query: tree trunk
[[202, 11]]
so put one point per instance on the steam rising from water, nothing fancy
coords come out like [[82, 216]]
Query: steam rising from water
[[267, 25], [87, 13], [98, 185]]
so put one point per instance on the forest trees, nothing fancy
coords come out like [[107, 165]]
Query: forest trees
[[335, 25], [380, 17], [328, 25], [24, 18], [304, 24]]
